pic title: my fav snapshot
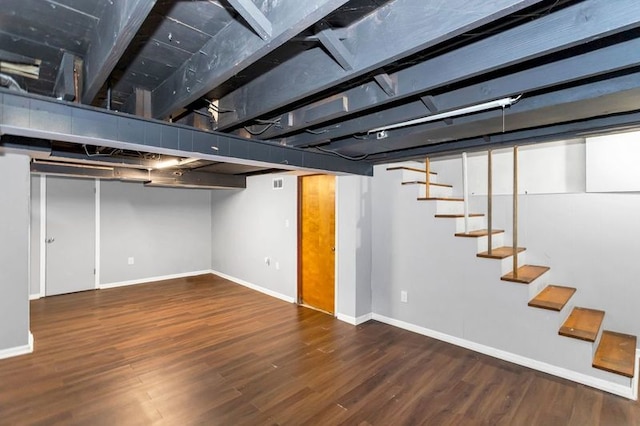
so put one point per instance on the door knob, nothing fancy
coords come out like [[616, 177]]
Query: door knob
[[50, 240], [333, 249]]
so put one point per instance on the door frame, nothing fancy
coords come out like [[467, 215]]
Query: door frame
[[43, 235], [336, 256]]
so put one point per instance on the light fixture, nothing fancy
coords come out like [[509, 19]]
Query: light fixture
[[174, 162], [499, 103]]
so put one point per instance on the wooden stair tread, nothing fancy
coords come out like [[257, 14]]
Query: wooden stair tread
[[455, 216], [616, 353], [413, 169], [439, 199], [499, 252], [582, 324], [526, 274], [479, 233], [421, 182], [552, 297]]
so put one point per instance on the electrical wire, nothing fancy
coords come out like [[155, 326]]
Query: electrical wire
[[316, 132], [346, 157], [259, 132]]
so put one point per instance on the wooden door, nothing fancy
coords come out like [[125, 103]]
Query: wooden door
[[316, 286]]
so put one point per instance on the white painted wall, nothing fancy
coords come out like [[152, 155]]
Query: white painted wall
[[353, 244], [612, 163], [589, 241], [552, 168], [14, 254], [36, 237], [165, 230], [250, 225]]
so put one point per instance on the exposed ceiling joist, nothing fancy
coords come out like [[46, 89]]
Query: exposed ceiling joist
[[575, 129], [393, 31], [254, 17], [335, 47], [232, 50], [578, 24], [118, 25], [574, 103], [613, 58]]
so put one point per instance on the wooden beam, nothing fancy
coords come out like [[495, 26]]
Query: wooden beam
[[336, 48], [386, 83], [64, 87], [395, 30], [118, 25], [254, 17], [232, 50], [519, 44]]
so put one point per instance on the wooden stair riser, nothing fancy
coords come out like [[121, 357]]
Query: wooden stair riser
[[474, 223], [506, 264], [435, 191], [497, 240], [412, 175], [538, 285], [448, 207]]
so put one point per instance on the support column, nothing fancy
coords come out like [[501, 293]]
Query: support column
[[15, 338]]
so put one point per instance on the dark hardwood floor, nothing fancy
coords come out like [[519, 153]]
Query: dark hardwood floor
[[205, 351]]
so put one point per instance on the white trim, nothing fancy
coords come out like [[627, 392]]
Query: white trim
[[152, 279], [254, 287], [43, 235], [336, 244], [96, 264], [634, 381], [35, 296], [614, 388], [18, 350], [353, 320]]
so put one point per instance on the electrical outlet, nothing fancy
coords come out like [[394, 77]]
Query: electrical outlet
[[403, 296], [131, 261]]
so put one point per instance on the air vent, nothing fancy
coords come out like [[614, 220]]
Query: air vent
[[278, 183]]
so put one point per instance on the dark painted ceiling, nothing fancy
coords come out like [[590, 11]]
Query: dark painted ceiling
[[322, 74]]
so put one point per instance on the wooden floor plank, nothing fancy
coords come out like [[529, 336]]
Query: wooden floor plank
[[616, 353], [526, 274], [455, 216], [583, 324], [499, 252], [552, 297], [207, 351], [478, 233]]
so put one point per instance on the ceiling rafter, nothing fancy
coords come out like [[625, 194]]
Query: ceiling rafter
[[254, 17], [574, 103], [336, 48], [574, 25], [395, 30], [610, 59], [232, 50], [116, 28]]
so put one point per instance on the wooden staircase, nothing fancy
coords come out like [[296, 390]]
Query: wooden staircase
[[615, 352]]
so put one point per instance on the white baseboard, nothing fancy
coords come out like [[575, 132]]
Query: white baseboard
[[152, 279], [254, 287], [35, 296], [353, 320], [630, 392], [18, 350]]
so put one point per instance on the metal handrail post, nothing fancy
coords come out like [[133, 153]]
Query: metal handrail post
[[515, 212], [465, 192]]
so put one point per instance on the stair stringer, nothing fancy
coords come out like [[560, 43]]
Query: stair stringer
[[451, 291]]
